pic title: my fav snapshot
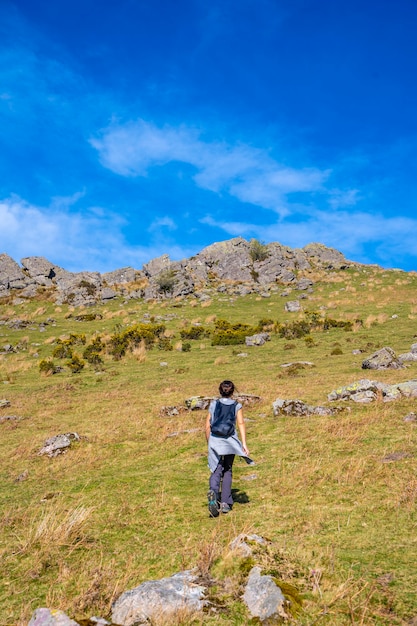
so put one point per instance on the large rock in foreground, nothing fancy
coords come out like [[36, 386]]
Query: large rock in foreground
[[156, 598]]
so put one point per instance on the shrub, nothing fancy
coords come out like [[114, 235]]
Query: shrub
[[92, 352], [166, 281], [47, 367], [63, 350], [89, 287], [258, 251], [88, 317], [194, 332], [121, 341], [164, 343], [294, 330], [75, 364], [186, 347], [227, 334]]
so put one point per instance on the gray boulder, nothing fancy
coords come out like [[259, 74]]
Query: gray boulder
[[107, 293], [257, 340], [159, 598], [304, 283], [40, 269], [293, 306], [298, 408], [11, 275], [48, 617], [382, 359], [349, 392], [58, 444], [264, 598]]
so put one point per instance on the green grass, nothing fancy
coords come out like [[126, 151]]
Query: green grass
[[127, 503]]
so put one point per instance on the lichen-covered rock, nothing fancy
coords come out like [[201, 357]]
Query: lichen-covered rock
[[408, 389], [159, 598], [257, 340], [263, 597], [365, 390], [298, 408], [364, 384], [58, 444], [50, 617], [382, 359]]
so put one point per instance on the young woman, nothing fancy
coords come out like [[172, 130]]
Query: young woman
[[223, 445]]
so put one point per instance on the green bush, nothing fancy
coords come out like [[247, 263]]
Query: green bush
[[258, 251], [186, 347], [47, 366], [121, 341], [75, 364], [88, 317], [194, 332], [166, 281], [63, 350], [164, 343], [227, 334]]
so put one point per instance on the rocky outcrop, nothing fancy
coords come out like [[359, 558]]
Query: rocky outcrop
[[298, 408], [11, 275], [227, 266], [365, 391], [40, 269]]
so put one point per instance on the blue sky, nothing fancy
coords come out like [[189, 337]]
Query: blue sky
[[136, 128]]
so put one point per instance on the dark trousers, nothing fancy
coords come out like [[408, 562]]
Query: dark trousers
[[222, 475]]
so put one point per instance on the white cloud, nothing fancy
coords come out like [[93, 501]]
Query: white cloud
[[91, 240], [246, 173], [350, 232]]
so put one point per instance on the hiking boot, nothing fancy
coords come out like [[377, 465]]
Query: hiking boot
[[213, 506], [225, 508]]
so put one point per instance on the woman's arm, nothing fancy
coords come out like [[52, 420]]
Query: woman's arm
[[208, 425], [242, 430]]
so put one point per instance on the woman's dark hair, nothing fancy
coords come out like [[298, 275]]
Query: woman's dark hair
[[226, 388]]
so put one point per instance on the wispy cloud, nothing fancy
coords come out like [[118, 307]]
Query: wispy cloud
[[162, 222], [91, 240], [246, 173], [349, 232]]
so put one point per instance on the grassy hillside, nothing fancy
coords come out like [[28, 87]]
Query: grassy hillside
[[128, 502]]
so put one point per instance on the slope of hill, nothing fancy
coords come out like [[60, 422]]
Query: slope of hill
[[335, 494]]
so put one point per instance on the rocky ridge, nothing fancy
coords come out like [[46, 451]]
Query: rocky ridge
[[232, 266]]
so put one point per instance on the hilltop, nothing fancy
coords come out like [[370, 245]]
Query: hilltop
[[236, 265]]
